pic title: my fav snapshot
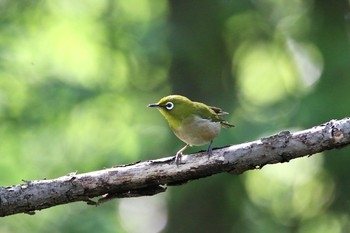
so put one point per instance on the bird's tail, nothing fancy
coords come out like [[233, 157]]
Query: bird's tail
[[225, 124]]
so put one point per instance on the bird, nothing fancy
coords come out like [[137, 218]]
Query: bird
[[194, 123]]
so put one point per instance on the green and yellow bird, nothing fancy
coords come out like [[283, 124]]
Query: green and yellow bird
[[192, 122]]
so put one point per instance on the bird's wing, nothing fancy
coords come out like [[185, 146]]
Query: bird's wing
[[218, 110], [212, 113]]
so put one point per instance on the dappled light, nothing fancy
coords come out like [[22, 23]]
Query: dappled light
[[265, 74], [144, 214], [308, 61], [297, 191]]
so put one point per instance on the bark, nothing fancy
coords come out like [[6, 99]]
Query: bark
[[152, 177]]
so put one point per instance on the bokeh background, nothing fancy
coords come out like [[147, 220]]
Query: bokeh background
[[76, 76]]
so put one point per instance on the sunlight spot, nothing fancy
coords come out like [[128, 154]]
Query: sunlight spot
[[308, 61], [299, 189], [143, 214], [265, 73]]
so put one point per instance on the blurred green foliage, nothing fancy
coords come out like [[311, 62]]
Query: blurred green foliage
[[76, 76]]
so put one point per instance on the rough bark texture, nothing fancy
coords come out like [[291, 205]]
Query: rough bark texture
[[152, 177]]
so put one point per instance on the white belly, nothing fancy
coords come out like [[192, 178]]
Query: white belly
[[198, 132]]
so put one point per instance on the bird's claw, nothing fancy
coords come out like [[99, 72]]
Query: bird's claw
[[178, 157], [179, 154], [210, 150]]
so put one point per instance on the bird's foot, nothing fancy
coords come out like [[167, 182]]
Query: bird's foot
[[210, 150], [179, 154], [178, 157]]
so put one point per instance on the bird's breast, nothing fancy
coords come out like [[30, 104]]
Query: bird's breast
[[197, 131]]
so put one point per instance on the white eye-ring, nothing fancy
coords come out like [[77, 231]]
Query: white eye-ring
[[169, 105]]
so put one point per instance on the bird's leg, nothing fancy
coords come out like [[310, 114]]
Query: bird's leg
[[210, 149], [179, 154]]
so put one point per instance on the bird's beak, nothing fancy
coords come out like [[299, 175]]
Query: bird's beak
[[153, 105]]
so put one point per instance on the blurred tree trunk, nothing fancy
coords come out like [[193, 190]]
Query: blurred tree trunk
[[201, 67], [201, 70], [331, 35]]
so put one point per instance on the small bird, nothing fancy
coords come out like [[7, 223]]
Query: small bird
[[192, 122]]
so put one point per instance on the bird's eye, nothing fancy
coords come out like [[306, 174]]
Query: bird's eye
[[169, 105]]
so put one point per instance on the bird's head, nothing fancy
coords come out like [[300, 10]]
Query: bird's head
[[174, 108]]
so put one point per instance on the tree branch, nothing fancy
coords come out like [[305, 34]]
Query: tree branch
[[152, 177]]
